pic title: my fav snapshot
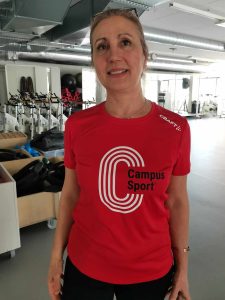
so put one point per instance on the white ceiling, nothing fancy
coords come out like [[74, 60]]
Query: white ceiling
[[168, 18]]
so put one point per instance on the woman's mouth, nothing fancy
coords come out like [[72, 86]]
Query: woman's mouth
[[117, 72]]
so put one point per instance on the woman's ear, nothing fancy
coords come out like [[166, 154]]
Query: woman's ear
[[92, 62], [145, 65]]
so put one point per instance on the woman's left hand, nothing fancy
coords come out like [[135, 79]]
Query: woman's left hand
[[180, 287]]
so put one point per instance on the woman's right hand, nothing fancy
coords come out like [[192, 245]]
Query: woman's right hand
[[55, 274]]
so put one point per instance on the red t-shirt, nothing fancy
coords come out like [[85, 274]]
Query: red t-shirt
[[121, 232]]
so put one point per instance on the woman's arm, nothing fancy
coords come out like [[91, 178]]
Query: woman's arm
[[68, 200], [178, 206]]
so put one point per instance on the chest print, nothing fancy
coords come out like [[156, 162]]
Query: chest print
[[137, 181]]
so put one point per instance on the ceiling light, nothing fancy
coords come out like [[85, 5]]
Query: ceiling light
[[221, 23], [174, 59], [142, 4], [196, 11], [184, 40], [86, 39], [177, 67], [50, 55]]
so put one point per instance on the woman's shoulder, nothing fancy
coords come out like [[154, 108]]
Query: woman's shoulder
[[171, 118], [85, 113]]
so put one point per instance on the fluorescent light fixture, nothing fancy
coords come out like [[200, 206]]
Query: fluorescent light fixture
[[221, 23], [61, 56], [184, 40], [86, 39], [177, 67], [142, 4], [196, 11], [173, 59]]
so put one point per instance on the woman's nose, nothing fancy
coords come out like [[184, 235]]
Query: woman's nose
[[114, 53]]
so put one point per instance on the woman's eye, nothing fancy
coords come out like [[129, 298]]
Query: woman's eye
[[126, 42], [101, 47]]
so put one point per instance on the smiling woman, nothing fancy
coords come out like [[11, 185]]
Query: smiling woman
[[124, 207], [129, 14], [119, 58]]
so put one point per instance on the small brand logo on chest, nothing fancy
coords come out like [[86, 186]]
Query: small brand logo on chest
[[172, 123]]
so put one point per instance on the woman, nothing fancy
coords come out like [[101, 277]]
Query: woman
[[124, 206]]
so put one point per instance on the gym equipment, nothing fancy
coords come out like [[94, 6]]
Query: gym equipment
[[23, 85], [185, 83], [78, 78], [35, 112], [161, 99], [30, 87], [68, 96], [68, 81], [195, 107], [7, 121]]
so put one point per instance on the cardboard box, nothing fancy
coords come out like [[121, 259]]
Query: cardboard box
[[9, 225], [13, 166], [14, 154], [37, 207], [9, 140]]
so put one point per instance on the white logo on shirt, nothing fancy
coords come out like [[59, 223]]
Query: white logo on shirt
[[107, 179], [170, 122]]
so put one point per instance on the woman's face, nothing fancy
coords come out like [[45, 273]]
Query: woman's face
[[117, 54]]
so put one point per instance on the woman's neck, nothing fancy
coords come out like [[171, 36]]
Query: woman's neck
[[127, 106]]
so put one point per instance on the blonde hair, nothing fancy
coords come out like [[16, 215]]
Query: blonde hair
[[125, 13]]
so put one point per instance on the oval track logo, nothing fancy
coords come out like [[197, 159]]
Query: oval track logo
[[107, 179]]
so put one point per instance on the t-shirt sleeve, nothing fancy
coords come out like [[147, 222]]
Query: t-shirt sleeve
[[69, 156], [182, 165]]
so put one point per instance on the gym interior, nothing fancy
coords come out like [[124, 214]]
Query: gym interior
[[46, 75]]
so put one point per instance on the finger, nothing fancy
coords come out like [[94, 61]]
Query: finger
[[174, 295], [57, 297], [57, 289], [54, 287], [57, 278], [181, 296]]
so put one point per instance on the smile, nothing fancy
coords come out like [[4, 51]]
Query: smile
[[116, 72]]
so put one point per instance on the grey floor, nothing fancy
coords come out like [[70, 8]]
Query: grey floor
[[24, 276]]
